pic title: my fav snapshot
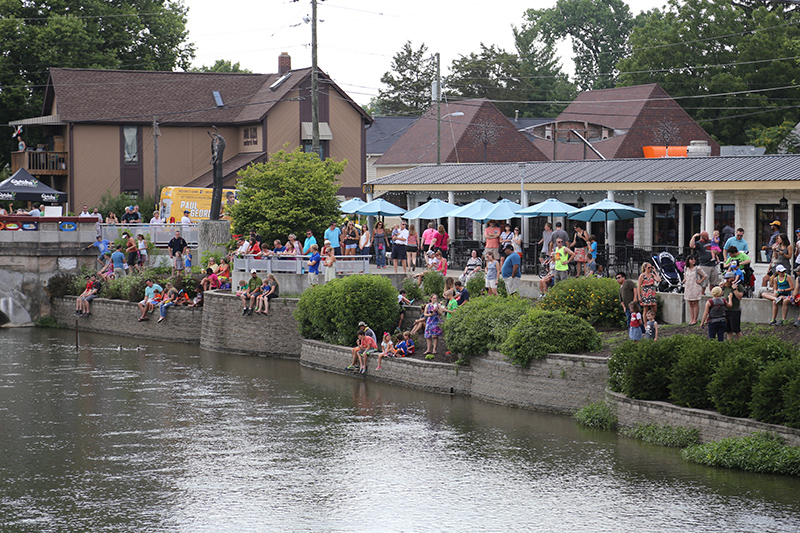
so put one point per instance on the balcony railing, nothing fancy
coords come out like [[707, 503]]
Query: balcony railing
[[41, 163]]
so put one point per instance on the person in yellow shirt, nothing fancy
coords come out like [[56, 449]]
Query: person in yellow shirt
[[562, 256]]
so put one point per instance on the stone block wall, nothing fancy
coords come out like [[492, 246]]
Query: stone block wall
[[226, 330], [712, 426], [558, 383], [443, 378], [115, 317]]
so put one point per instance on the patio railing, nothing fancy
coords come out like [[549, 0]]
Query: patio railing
[[160, 234], [351, 264]]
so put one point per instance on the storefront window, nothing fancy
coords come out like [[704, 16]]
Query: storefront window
[[765, 215], [724, 215], [665, 225]]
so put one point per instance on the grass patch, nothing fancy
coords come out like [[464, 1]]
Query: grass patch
[[761, 452], [669, 436], [596, 415], [48, 322]]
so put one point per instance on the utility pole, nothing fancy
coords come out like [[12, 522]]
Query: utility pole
[[156, 135], [438, 96], [314, 82]]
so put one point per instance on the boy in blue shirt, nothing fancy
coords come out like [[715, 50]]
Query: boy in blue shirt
[[313, 265]]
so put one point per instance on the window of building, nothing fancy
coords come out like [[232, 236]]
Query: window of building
[[724, 215], [131, 145], [323, 148], [765, 215], [665, 225], [691, 221]]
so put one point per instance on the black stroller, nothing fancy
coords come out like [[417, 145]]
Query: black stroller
[[664, 264]]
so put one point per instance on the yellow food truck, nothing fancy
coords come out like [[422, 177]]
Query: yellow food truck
[[175, 200]]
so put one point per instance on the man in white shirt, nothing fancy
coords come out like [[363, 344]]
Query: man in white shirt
[[35, 211], [85, 212], [186, 221], [399, 248]]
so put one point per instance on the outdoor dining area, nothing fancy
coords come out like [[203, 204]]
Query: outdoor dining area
[[481, 211]]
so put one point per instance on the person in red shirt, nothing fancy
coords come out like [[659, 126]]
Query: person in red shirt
[[492, 238], [368, 346]]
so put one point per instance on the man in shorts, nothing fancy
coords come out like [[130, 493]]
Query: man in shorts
[[147, 304], [362, 328], [132, 249], [177, 245], [511, 270], [561, 256], [733, 293], [399, 248], [313, 265], [251, 293]]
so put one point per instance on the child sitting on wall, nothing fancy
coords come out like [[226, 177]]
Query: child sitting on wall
[[387, 349]]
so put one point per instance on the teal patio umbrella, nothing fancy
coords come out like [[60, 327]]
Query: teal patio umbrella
[[430, 210], [379, 207], [349, 207]]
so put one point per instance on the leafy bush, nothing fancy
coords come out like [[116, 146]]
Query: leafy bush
[[731, 387], [764, 348], [117, 204], [760, 452], [595, 300], [433, 283], [482, 324], [540, 332], [47, 322], [476, 283], [596, 415], [331, 312], [669, 436], [501, 287], [129, 288], [642, 370], [696, 362], [61, 284], [208, 254], [768, 404], [791, 402], [413, 291]]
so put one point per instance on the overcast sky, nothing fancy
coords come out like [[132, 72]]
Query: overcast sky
[[356, 38]]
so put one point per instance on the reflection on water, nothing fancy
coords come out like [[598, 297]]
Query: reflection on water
[[174, 438]]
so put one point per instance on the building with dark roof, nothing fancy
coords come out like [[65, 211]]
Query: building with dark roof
[[618, 123], [99, 127], [681, 195], [471, 131]]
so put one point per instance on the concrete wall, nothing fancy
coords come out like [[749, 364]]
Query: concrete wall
[[559, 383], [115, 317], [754, 310], [226, 330], [297, 283], [712, 426]]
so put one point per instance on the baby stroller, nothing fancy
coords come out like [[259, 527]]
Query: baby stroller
[[664, 264]]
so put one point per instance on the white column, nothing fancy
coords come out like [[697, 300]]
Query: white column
[[611, 226], [709, 225], [412, 203], [451, 221], [523, 229]]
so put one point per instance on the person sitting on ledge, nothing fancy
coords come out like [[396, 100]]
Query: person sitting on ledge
[[89, 294], [170, 299], [211, 281], [362, 328], [269, 290], [367, 345], [198, 299], [251, 293], [149, 302]]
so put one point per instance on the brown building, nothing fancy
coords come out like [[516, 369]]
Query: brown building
[[618, 123], [99, 128], [472, 131]]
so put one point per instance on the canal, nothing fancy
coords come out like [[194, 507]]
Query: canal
[[123, 435]]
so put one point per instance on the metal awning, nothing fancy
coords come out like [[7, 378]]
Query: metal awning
[[325, 133], [47, 120]]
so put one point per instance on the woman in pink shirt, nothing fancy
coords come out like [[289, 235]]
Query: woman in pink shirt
[[428, 235], [441, 241], [412, 246]]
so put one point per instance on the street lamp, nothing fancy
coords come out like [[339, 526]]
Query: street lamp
[[437, 94]]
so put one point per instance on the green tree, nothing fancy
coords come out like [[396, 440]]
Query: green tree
[[409, 82], [780, 139], [292, 192], [725, 61], [511, 80], [223, 65], [124, 34], [598, 30]]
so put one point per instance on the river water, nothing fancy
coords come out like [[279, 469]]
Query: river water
[[170, 437]]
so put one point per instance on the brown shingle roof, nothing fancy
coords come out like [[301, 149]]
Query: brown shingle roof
[[634, 111], [126, 96], [418, 144]]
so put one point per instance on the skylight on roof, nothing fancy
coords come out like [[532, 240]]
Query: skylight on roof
[[280, 81], [218, 98]]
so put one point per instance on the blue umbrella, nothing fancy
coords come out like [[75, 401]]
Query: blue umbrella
[[502, 210], [606, 210], [550, 207], [433, 209], [466, 211], [379, 207], [349, 206]]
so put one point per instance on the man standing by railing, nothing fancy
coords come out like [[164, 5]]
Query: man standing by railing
[[399, 248], [334, 234], [705, 260], [310, 239], [177, 245]]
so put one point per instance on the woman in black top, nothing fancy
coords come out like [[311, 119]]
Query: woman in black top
[[579, 247], [350, 239]]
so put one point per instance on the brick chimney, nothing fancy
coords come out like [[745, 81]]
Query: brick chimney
[[284, 63]]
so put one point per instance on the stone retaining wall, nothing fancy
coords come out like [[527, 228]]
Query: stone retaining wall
[[559, 383], [116, 317], [712, 426], [226, 330]]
